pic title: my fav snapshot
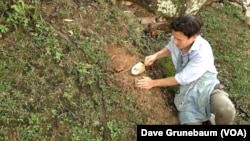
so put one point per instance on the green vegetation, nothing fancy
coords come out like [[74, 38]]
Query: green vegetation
[[53, 72], [229, 36], [54, 77]]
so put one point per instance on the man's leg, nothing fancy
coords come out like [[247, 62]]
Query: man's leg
[[222, 107]]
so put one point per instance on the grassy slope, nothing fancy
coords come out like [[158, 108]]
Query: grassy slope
[[52, 73], [47, 91], [225, 29]]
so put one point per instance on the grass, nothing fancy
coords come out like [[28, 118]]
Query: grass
[[228, 34], [53, 74], [52, 83], [229, 39]]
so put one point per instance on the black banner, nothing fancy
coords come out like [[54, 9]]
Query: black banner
[[215, 132]]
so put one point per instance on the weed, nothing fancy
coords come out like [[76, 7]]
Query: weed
[[3, 28], [20, 15], [115, 130]]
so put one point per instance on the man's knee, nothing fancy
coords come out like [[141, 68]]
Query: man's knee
[[219, 101], [225, 115], [222, 107]]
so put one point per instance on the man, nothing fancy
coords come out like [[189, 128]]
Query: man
[[196, 74]]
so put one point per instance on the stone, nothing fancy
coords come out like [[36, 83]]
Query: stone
[[148, 20]]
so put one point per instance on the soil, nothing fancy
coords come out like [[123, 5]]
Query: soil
[[151, 101]]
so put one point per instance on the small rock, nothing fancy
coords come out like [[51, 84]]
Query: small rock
[[119, 69], [96, 123], [68, 20], [31, 100], [127, 3], [148, 20]]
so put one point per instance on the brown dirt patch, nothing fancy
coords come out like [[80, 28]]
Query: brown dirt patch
[[149, 101]]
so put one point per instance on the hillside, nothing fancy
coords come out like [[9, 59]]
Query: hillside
[[65, 69]]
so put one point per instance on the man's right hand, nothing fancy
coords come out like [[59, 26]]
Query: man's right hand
[[149, 60]]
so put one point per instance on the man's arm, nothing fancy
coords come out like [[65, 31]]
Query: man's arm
[[149, 60], [148, 83], [164, 52]]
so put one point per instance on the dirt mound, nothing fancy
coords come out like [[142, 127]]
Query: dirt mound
[[149, 101]]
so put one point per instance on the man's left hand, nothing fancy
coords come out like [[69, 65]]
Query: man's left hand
[[145, 83]]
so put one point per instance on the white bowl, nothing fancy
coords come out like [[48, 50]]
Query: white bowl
[[138, 68]]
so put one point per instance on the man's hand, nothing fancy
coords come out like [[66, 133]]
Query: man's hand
[[145, 83], [149, 60]]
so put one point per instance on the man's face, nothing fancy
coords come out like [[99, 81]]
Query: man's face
[[182, 41]]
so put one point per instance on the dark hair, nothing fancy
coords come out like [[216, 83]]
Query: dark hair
[[189, 25]]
